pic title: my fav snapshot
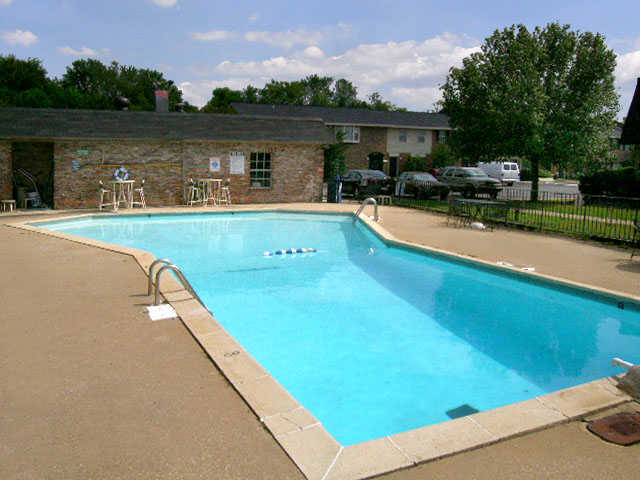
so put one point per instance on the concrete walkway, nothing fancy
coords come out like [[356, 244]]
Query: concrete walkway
[[91, 388]]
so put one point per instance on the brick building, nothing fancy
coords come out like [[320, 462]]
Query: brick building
[[377, 140], [69, 151]]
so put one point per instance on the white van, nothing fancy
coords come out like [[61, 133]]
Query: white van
[[506, 172]]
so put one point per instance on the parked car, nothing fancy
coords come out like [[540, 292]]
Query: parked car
[[470, 181], [420, 185], [366, 182], [506, 172]]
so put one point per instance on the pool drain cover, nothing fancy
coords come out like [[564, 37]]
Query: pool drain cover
[[461, 411], [621, 429]]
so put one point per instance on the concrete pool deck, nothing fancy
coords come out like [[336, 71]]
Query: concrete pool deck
[[121, 437]]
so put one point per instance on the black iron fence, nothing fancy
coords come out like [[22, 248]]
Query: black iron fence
[[596, 217]]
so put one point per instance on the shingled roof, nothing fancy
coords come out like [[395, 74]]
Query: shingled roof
[[348, 116], [631, 130], [45, 123]]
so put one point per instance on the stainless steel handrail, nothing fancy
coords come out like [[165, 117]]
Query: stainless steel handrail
[[183, 280], [618, 362], [165, 261], [367, 201]]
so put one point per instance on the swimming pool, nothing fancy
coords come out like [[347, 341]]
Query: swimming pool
[[376, 340]]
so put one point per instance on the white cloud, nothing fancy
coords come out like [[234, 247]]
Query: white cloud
[[213, 35], [19, 37], [286, 39], [628, 67], [369, 66], [313, 52], [424, 96], [165, 3], [253, 18], [199, 93], [82, 52], [5, 3], [407, 73]]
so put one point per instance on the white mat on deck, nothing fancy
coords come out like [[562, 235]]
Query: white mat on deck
[[161, 312]]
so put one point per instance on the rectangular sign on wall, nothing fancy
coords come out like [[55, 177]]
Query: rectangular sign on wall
[[214, 164], [236, 163]]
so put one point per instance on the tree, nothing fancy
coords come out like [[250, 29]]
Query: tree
[[250, 94], [317, 90], [283, 93], [376, 102], [442, 156], [102, 85], [22, 82], [547, 96], [334, 161], [345, 94], [221, 100]]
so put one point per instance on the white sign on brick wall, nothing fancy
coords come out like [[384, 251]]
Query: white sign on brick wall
[[214, 164], [236, 163]]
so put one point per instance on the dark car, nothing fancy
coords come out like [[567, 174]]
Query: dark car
[[470, 181], [420, 185], [360, 183]]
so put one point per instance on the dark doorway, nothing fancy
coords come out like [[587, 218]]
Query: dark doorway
[[376, 161], [393, 167], [33, 173]]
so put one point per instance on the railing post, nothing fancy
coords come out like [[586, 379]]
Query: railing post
[[165, 261]]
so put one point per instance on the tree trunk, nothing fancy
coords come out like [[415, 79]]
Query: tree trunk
[[535, 172]]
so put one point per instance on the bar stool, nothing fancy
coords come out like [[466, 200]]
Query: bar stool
[[225, 193], [140, 192], [194, 193], [109, 194]]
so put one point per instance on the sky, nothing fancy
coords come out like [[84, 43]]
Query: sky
[[402, 48]]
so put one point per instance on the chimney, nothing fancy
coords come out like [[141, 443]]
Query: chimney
[[162, 101]]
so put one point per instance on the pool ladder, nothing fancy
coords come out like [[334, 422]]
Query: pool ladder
[[168, 266], [367, 201]]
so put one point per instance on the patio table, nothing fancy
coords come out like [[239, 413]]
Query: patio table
[[122, 192], [481, 209], [210, 189]]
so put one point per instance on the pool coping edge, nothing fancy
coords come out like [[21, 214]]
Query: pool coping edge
[[303, 438]]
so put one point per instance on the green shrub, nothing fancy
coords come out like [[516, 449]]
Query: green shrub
[[415, 164], [621, 182], [442, 156], [334, 162]]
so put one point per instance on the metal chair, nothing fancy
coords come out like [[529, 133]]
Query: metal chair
[[110, 195], [457, 213], [225, 194], [194, 193], [140, 192]]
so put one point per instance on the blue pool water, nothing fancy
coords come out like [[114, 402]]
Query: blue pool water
[[376, 340]]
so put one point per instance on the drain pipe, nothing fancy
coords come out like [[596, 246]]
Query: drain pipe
[[618, 362]]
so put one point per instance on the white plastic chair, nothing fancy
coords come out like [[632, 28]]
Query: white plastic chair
[[225, 193], [110, 196], [140, 192], [194, 193]]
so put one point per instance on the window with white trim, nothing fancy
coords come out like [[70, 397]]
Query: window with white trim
[[402, 137], [260, 170], [350, 134], [421, 137], [442, 136]]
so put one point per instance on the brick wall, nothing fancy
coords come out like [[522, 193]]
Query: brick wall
[[167, 165], [296, 175], [372, 139], [6, 185]]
